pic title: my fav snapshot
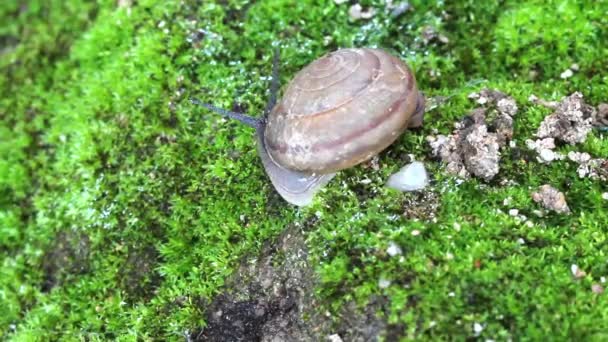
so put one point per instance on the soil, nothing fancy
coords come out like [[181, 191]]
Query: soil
[[271, 298]]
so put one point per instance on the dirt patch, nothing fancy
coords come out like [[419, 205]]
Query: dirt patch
[[69, 255], [272, 299], [421, 206], [138, 277]]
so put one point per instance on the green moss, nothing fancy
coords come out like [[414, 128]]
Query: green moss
[[148, 202]]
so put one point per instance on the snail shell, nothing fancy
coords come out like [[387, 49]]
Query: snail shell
[[338, 111]]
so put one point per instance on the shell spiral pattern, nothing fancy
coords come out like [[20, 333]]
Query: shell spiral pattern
[[340, 110]]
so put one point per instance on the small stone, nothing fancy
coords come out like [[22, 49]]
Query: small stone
[[602, 279], [507, 106], [566, 74], [571, 122], [521, 241], [457, 226], [551, 198], [356, 12], [513, 212], [481, 152], [477, 328], [412, 177], [597, 288], [335, 338], [574, 67], [579, 157], [400, 8], [384, 283], [605, 196], [415, 232], [577, 272], [546, 155], [393, 249]]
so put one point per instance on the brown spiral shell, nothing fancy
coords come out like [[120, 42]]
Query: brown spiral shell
[[341, 110]]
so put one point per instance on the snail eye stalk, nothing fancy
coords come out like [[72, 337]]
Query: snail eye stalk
[[274, 83], [246, 119]]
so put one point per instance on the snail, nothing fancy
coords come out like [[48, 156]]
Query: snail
[[338, 111]]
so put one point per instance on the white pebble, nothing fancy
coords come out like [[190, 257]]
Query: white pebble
[[415, 232], [566, 74], [547, 155], [478, 328], [393, 249], [384, 283], [335, 338], [513, 212], [605, 196], [411, 177], [457, 226]]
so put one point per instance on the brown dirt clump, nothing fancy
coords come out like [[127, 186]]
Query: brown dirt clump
[[473, 148]]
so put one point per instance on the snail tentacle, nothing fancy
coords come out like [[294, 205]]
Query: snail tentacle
[[246, 119], [274, 83]]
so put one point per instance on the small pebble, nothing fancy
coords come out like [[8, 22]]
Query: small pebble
[[335, 338], [412, 177], [605, 196], [551, 198], [400, 8], [547, 155], [513, 212], [597, 288], [577, 272], [478, 328], [393, 249], [415, 232], [384, 283], [356, 12], [566, 74]]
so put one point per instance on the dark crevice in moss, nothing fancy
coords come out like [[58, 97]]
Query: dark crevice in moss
[[68, 257]]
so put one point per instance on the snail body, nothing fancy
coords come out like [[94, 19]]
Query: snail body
[[338, 111]]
